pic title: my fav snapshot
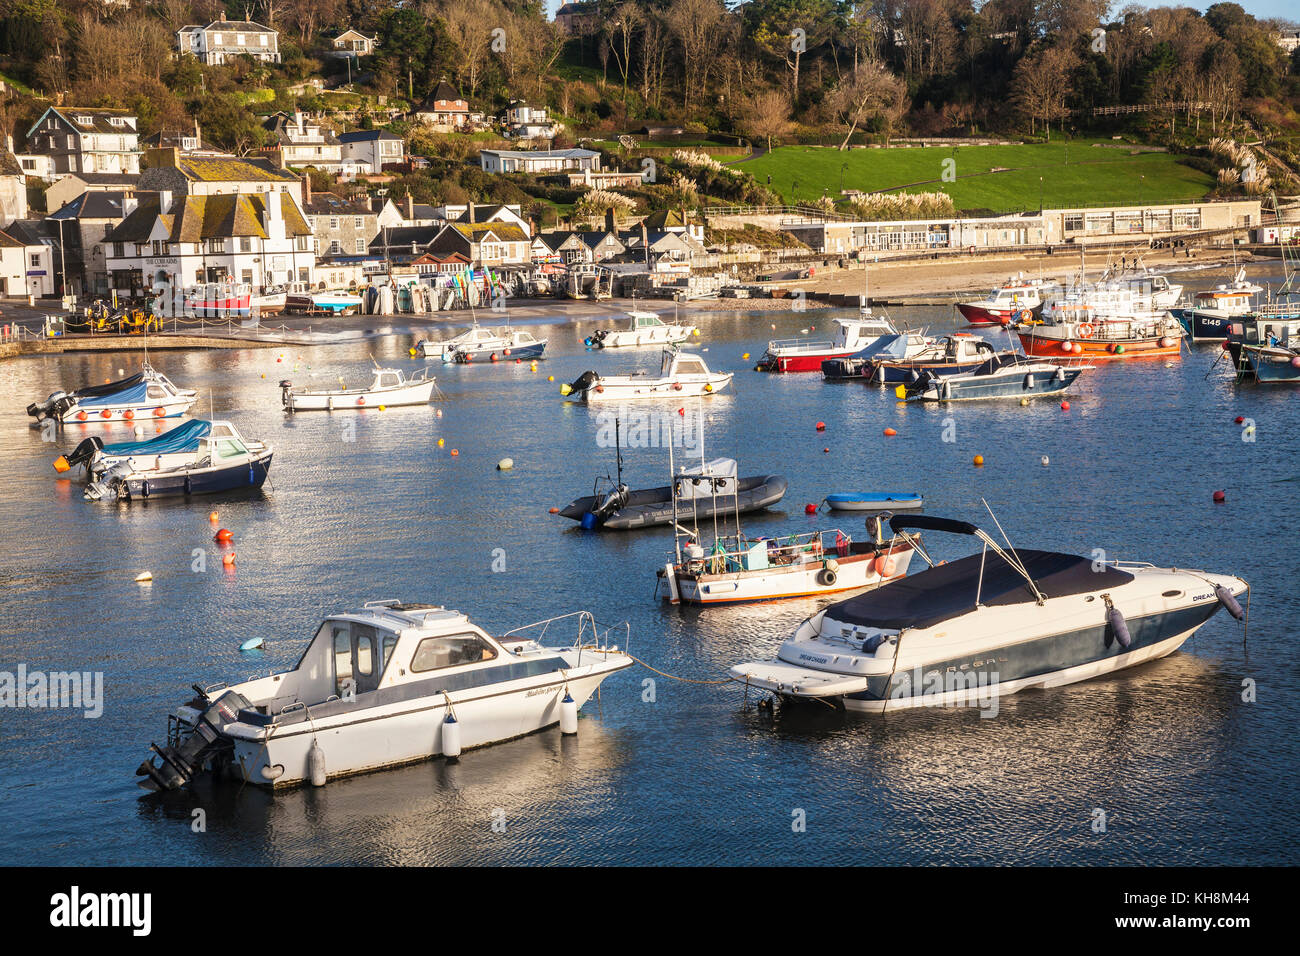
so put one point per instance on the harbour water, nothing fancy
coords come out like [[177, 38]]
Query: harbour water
[[367, 505]]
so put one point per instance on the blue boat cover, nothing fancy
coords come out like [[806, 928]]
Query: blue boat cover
[[887, 347], [182, 438], [875, 496], [132, 394]]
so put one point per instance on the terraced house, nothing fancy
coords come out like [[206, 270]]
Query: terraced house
[[188, 175], [492, 244], [85, 140], [224, 40], [261, 239]]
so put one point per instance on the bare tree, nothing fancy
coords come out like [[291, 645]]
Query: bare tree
[[469, 23], [869, 91], [767, 114], [1041, 84], [620, 29], [698, 26]]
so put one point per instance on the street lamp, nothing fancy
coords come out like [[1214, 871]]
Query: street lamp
[[843, 166], [794, 194]]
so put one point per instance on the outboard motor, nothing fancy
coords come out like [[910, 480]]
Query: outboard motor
[[177, 764], [596, 340], [52, 407], [580, 384], [84, 451], [612, 503], [920, 382], [108, 482], [285, 385]]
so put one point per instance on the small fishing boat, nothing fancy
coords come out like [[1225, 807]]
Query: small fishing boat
[[1272, 363], [713, 490], [876, 501], [860, 366], [644, 328], [196, 458], [388, 684], [217, 300], [478, 344], [1212, 310], [270, 302], [389, 387], [1152, 335], [946, 355], [1016, 300], [738, 569], [1276, 325], [681, 375], [996, 622], [340, 303], [147, 394], [1004, 375], [800, 355]]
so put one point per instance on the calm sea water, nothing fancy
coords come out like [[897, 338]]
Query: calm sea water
[[367, 506]]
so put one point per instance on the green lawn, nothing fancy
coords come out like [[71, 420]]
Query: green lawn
[[1071, 173]]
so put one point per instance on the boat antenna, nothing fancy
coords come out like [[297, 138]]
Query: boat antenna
[[618, 452]]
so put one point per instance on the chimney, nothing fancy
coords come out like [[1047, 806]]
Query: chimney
[[129, 204], [198, 134], [609, 219], [469, 212], [164, 201], [306, 189], [410, 206], [164, 157], [9, 142]]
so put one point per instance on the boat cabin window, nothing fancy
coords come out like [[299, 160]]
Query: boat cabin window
[[438, 652], [360, 654], [691, 366], [157, 391], [387, 380]]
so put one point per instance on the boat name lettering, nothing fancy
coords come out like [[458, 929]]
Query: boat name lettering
[[815, 660], [1204, 597]]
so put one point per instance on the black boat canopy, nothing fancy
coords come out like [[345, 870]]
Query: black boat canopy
[[949, 590], [931, 523]]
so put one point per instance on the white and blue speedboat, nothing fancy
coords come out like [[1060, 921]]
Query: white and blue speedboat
[[993, 623], [477, 344], [147, 394], [196, 458], [1004, 375], [384, 685]]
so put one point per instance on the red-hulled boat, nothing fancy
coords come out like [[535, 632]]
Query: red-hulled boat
[[1015, 301], [1098, 338], [797, 355]]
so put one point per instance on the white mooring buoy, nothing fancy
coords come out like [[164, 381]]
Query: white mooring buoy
[[450, 736], [568, 715], [316, 765]]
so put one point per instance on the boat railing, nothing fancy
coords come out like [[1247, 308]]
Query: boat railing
[[799, 345], [590, 635], [730, 553]]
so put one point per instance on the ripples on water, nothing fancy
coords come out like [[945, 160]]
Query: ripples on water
[[1185, 771]]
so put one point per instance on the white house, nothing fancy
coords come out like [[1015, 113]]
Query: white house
[[79, 139], [352, 43], [375, 147], [261, 239], [303, 142], [538, 160], [529, 122], [26, 263], [224, 40]]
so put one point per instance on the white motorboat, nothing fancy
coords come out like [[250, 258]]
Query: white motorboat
[[385, 685], [1212, 310], [993, 623], [478, 344], [681, 375], [1016, 300], [643, 328], [388, 387], [147, 394], [196, 458], [801, 355], [270, 302], [1004, 375], [810, 564]]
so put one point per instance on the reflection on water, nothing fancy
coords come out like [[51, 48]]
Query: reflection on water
[[368, 505]]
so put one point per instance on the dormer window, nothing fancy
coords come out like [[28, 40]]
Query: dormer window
[[84, 120]]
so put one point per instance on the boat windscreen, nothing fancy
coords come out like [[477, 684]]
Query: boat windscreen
[[182, 438], [997, 363], [950, 590]]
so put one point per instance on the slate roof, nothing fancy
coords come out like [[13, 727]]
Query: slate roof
[[443, 91], [329, 204], [93, 204], [366, 136], [230, 26]]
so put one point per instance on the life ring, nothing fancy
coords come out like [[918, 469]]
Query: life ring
[[1085, 330], [826, 577]]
